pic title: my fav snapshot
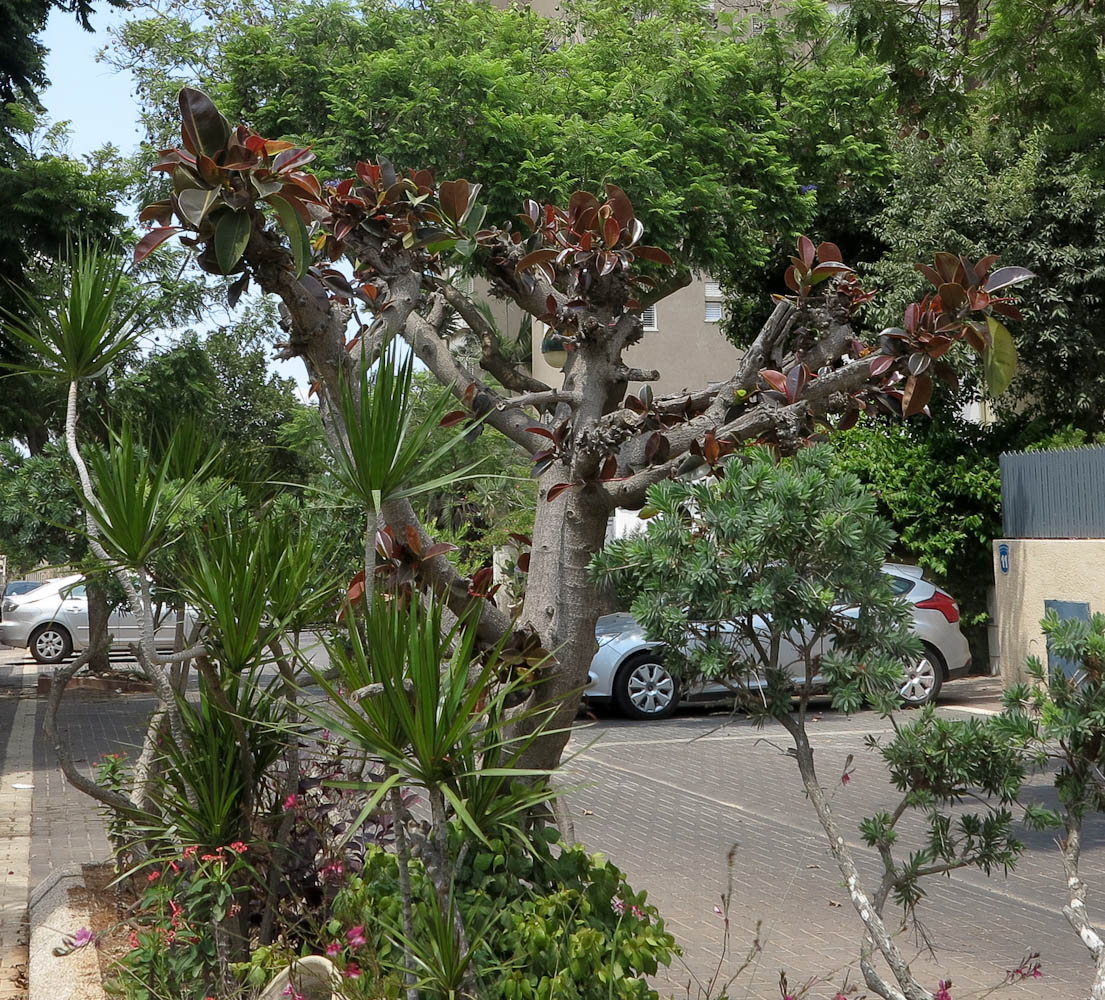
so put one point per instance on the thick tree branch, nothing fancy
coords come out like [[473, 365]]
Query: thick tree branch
[[442, 577], [491, 357], [548, 397], [434, 353]]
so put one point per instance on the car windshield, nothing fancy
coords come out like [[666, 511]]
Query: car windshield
[[21, 587]]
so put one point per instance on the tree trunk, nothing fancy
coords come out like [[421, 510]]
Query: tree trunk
[[98, 660], [864, 906]]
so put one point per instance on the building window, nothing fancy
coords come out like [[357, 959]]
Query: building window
[[755, 26], [648, 318], [714, 300]]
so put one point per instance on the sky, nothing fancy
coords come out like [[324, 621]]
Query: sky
[[95, 99], [99, 104]]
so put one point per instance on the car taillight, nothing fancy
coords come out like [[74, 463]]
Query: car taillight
[[944, 604]]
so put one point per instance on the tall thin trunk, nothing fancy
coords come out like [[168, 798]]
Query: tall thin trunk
[[1075, 909], [864, 906], [403, 856], [98, 659]]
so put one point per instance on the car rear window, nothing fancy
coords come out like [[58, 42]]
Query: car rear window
[[900, 584]]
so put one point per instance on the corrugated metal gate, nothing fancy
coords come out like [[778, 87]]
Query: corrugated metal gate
[[1054, 494]]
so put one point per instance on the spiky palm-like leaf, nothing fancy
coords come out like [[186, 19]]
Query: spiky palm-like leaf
[[82, 332]]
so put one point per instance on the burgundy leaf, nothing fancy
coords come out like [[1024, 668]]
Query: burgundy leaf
[[881, 364], [555, 491], [918, 391], [152, 240], [806, 251], [453, 418]]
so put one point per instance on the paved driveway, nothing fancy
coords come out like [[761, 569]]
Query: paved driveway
[[669, 801]]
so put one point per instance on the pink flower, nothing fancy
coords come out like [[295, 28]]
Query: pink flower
[[154, 875], [133, 939], [238, 847], [175, 867], [942, 992], [290, 991], [845, 778], [355, 936], [290, 801], [333, 948], [189, 851], [352, 972], [83, 937]]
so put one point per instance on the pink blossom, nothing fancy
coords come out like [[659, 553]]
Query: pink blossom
[[356, 937], [290, 801], [189, 851], [154, 875], [83, 937], [238, 847], [333, 949], [943, 991], [290, 991], [352, 972]]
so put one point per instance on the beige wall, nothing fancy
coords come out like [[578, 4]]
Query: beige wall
[[688, 352], [1041, 569]]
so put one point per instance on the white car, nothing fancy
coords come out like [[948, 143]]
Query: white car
[[629, 670], [52, 621]]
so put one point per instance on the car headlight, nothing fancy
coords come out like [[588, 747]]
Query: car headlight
[[8, 605]]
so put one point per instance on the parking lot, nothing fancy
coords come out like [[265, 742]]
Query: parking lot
[[672, 802]]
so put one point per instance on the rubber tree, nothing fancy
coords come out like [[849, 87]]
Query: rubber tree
[[251, 208]]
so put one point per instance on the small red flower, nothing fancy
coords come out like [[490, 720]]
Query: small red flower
[[238, 847], [333, 948], [352, 972], [290, 801], [189, 851], [154, 875]]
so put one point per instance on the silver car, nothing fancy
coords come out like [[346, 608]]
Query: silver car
[[629, 671], [52, 621]]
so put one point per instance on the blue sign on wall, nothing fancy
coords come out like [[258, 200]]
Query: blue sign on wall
[[1003, 557]]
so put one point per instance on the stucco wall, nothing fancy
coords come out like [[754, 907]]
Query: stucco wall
[[1041, 569]]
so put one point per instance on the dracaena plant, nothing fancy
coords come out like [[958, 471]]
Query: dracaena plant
[[420, 697]]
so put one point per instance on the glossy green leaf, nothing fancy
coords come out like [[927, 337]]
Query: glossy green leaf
[[232, 231], [297, 232], [999, 359]]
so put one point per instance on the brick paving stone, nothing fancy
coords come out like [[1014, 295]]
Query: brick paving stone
[[693, 798]]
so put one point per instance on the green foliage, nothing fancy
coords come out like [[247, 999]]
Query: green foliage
[[1063, 713], [650, 96], [744, 579], [555, 924], [384, 456], [39, 510], [85, 330], [939, 763], [423, 701], [995, 189], [136, 504]]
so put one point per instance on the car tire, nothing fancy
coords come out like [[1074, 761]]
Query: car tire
[[51, 643], [645, 689], [923, 679]]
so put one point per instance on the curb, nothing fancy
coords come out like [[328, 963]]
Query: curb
[[53, 915]]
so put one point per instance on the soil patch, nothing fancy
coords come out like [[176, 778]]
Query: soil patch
[[108, 907]]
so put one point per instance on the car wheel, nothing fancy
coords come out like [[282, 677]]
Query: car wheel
[[51, 643], [923, 679], [644, 689]]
